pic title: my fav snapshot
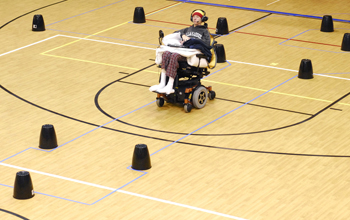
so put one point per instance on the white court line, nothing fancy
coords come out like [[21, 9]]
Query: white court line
[[182, 205], [148, 48], [254, 64], [108, 42], [125, 192], [57, 176], [28, 45], [279, 68], [272, 2]]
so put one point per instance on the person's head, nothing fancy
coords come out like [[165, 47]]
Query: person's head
[[198, 16]]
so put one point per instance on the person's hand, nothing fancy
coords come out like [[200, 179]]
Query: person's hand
[[185, 38]]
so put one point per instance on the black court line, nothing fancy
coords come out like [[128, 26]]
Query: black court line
[[244, 25], [336, 109], [161, 139], [234, 134], [14, 214], [181, 133], [167, 140], [32, 12]]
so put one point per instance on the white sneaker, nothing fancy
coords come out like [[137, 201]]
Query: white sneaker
[[156, 87], [167, 90]]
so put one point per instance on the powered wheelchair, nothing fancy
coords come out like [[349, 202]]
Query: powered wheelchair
[[187, 84]]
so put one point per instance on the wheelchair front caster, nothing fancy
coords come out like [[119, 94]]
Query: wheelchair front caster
[[211, 95], [160, 102], [188, 107]]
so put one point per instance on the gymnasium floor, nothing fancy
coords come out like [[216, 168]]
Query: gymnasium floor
[[269, 146]]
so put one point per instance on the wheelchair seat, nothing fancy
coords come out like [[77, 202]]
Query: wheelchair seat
[[187, 84]]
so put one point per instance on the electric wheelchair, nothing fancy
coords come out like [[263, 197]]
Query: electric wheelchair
[[187, 84]]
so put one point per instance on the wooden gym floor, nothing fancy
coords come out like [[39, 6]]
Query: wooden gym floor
[[270, 146]]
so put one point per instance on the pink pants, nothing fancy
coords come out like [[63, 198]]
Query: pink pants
[[170, 63]]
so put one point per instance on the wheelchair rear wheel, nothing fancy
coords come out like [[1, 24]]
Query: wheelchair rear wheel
[[200, 96]]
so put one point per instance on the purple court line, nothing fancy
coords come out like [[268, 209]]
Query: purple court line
[[283, 43], [154, 26], [50, 195], [71, 200], [98, 127], [229, 64], [224, 115], [258, 10], [129, 167], [330, 73], [85, 12]]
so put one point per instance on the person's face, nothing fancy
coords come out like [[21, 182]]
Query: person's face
[[196, 20]]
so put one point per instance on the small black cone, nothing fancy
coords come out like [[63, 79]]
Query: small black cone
[[220, 53], [346, 42], [305, 70], [327, 24], [139, 15], [23, 186], [48, 138], [222, 26], [38, 23], [141, 159]]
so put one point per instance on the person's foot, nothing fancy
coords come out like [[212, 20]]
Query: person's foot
[[155, 87], [167, 90]]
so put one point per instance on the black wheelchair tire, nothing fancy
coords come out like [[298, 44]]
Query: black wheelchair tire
[[211, 95], [187, 107], [160, 102]]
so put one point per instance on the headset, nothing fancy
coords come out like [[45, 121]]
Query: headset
[[204, 18]]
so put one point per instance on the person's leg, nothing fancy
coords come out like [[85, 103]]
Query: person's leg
[[161, 83], [165, 62], [171, 72]]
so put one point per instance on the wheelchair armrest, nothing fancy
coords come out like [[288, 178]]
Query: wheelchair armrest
[[161, 36]]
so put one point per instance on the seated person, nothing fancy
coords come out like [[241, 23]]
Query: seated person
[[196, 36]]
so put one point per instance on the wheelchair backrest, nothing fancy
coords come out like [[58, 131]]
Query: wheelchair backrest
[[213, 60]]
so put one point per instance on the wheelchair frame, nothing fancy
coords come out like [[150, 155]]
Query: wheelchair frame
[[187, 85]]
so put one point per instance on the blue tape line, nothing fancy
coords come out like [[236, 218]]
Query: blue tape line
[[85, 13], [260, 10]]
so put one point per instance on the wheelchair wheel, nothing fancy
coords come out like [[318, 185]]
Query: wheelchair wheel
[[188, 108], [199, 98], [160, 102], [211, 95]]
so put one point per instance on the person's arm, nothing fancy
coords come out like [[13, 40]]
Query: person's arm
[[206, 38], [182, 33]]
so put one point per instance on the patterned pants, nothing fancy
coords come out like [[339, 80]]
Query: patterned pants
[[170, 63]]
